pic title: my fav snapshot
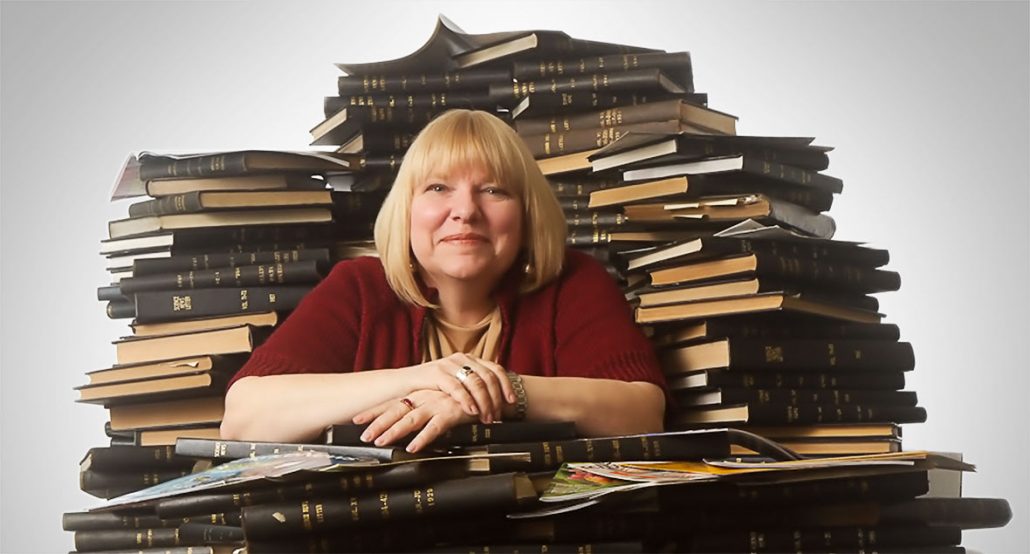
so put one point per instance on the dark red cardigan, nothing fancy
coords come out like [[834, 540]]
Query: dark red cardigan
[[579, 325]]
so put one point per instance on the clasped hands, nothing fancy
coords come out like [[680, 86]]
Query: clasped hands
[[446, 392]]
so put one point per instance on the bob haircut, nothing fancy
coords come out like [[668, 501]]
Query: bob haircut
[[455, 141]]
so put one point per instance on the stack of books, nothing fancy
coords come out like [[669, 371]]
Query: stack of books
[[226, 245], [478, 491], [763, 322]]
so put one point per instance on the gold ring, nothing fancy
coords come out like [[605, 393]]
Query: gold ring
[[464, 373], [408, 403]]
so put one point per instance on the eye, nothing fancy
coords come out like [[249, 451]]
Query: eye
[[495, 191], [435, 187]]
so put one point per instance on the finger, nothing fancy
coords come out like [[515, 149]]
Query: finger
[[502, 377], [453, 387], [475, 385], [407, 424], [432, 430], [493, 387], [395, 410], [371, 413]]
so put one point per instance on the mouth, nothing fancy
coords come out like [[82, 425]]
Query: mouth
[[464, 238]]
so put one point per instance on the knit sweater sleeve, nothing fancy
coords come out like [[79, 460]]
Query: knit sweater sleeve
[[595, 332], [321, 334]]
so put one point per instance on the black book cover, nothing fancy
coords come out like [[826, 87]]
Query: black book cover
[[274, 273], [484, 494], [792, 355], [471, 434], [232, 450], [879, 380], [126, 539], [157, 306], [478, 78], [117, 458], [208, 260]]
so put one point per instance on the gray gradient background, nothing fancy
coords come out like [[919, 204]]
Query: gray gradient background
[[927, 104]]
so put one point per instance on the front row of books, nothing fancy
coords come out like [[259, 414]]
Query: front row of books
[[480, 492]]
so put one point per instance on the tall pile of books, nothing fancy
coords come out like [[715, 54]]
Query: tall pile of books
[[762, 320]]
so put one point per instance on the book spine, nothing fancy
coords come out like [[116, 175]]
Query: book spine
[[158, 306], [208, 534], [887, 380], [189, 202], [829, 397], [855, 256], [566, 142], [232, 450], [645, 79], [814, 354], [472, 434], [758, 329], [405, 475], [117, 309], [143, 457], [114, 539], [579, 189], [793, 175], [851, 278], [829, 413], [525, 70], [603, 119], [594, 220], [818, 539], [586, 237], [200, 166], [292, 273], [471, 495], [547, 455], [886, 488], [966, 513], [111, 293], [545, 548], [438, 101], [421, 83], [93, 521], [199, 262], [386, 141]]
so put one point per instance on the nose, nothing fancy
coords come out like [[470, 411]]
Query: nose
[[464, 205]]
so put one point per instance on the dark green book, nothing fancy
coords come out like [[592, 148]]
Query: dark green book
[[231, 450], [478, 78], [202, 261]]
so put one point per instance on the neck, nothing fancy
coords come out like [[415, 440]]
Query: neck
[[464, 303]]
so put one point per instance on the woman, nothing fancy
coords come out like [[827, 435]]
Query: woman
[[474, 310]]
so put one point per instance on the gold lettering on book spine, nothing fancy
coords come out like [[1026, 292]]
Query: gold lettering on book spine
[[320, 513], [616, 449], [545, 448], [773, 354], [384, 505], [305, 515], [244, 299], [182, 303], [831, 354], [355, 513], [430, 497], [416, 495]]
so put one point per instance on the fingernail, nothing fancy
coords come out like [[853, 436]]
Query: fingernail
[[475, 410], [365, 437], [410, 448], [379, 441]]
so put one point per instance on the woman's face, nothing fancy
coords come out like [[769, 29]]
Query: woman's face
[[465, 227]]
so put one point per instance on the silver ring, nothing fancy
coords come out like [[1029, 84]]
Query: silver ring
[[464, 373]]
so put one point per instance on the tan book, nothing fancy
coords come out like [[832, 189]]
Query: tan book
[[166, 437], [563, 164], [169, 368], [842, 447], [639, 191], [140, 226], [266, 319], [279, 181], [194, 384], [232, 340], [754, 304], [189, 411]]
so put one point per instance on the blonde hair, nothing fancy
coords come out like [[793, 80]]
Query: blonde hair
[[457, 140]]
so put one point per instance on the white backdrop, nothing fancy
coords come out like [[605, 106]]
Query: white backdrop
[[927, 104]]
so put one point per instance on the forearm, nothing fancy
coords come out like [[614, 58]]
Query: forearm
[[599, 407], [293, 408]]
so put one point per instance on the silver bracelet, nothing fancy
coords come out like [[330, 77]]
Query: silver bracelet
[[520, 395]]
